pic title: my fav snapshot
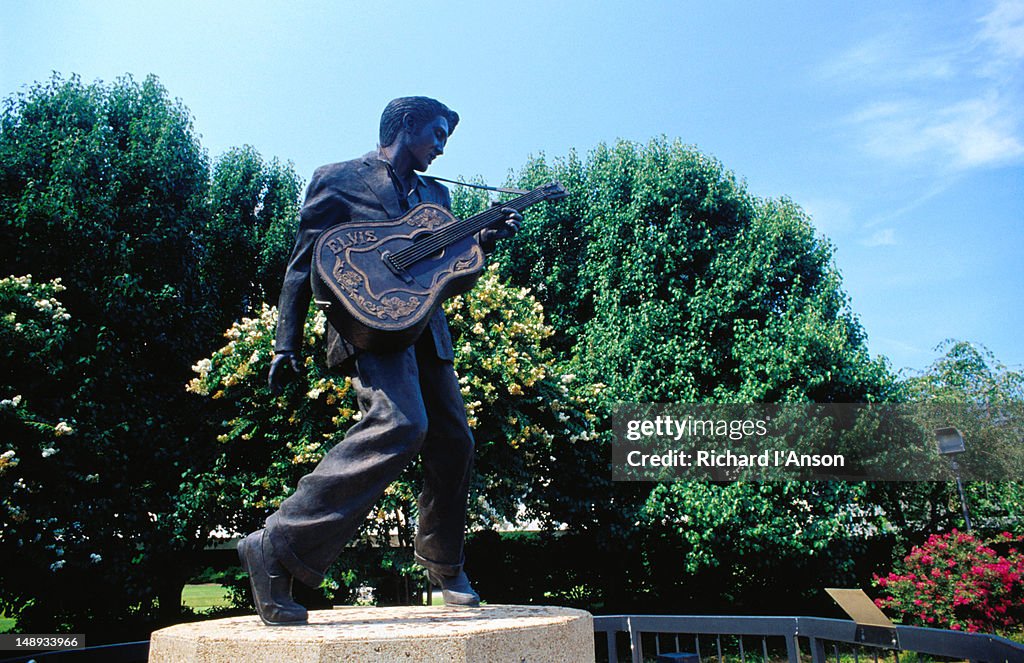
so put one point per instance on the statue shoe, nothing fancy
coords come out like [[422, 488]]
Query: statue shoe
[[456, 590], [271, 582]]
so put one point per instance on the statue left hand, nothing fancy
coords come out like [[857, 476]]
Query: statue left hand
[[506, 227]]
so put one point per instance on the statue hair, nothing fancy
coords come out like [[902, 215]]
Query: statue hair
[[422, 109]]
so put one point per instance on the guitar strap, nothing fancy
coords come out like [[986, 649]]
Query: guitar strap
[[476, 186]]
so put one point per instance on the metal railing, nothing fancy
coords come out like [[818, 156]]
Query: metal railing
[[763, 639]]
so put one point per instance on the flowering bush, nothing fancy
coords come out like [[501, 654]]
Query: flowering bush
[[960, 582], [33, 327], [39, 442], [521, 405]]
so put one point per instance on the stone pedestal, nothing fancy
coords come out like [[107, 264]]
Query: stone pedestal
[[417, 634]]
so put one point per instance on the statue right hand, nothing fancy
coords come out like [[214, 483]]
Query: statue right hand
[[282, 367]]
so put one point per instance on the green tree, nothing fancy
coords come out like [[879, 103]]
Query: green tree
[[966, 387], [103, 186], [969, 388], [666, 280], [106, 188], [254, 208], [33, 330], [750, 541]]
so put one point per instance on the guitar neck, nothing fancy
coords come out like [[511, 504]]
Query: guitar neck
[[469, 226], [478, 222]]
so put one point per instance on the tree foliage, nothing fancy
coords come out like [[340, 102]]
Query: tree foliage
[[669, 282], [753, 540], [254, 208], [966, 387], [106, 188]]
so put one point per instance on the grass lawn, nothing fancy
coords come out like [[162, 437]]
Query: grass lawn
[[205, 596]]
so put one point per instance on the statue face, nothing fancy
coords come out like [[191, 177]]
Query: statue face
[[427, 142]]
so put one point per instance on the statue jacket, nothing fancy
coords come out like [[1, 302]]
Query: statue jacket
[[360, 189]]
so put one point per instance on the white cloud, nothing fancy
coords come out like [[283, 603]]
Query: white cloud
[[878, 60], [883, 237], [938, 186], [972, 133], [831, 216], [977, 132], [943, 107], [1004, 28]]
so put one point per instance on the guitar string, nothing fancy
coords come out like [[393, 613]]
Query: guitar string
[[456, 231], [412, 254], [450, 235]]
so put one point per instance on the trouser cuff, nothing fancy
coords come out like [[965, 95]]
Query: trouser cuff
[[438, 567], [284, 554]]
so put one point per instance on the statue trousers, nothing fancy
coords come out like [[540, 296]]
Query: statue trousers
[[411, 404]]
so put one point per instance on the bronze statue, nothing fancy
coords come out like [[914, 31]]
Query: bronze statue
[[409, 398]]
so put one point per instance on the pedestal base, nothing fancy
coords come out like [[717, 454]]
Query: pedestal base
[[488, 634]]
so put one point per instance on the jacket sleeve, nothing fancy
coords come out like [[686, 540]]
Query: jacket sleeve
[[324, 207]]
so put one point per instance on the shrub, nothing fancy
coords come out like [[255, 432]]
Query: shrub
[[959, 581]]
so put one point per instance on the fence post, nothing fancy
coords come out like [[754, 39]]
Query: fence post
[[793, 648], [817, 650]]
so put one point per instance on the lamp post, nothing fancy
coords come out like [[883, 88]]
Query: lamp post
[[950, 443]]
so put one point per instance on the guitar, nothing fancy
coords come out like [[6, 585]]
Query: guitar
[[379, 282]]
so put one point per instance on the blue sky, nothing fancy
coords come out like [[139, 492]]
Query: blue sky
[[898, 126]]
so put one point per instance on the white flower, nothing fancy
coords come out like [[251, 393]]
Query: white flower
[[202, 367], [48, 451], [44, 304], [10, 402], [95, 559], [56, 566], [62, 428]]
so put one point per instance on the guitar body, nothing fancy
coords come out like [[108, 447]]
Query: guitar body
[[375, 305]]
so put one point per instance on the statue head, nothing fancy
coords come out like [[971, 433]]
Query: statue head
[[420, 109]]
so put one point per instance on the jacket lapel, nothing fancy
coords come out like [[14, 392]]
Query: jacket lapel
[[374, 173]]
